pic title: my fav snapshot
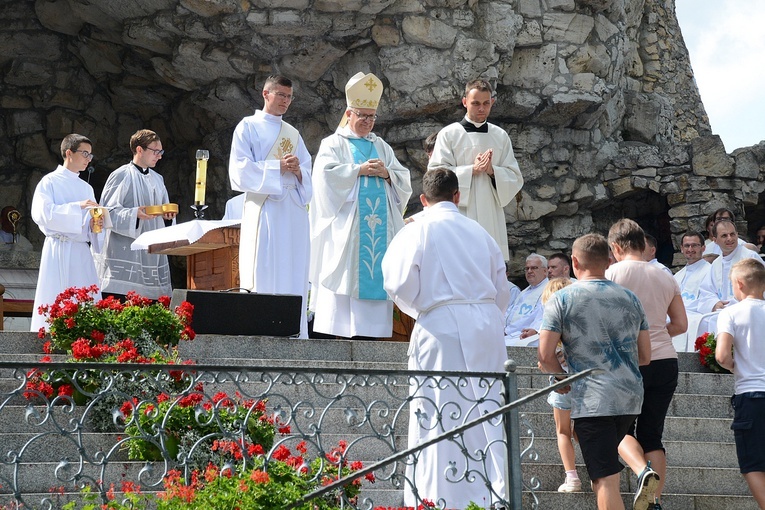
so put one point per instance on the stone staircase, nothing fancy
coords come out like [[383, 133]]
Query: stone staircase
[[702, 474]]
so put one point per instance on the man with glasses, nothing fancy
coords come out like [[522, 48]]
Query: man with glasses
[[269, 162], [525, 316], [361, 191], [689, 279], [127, 192], [481, 155], [60, 208]]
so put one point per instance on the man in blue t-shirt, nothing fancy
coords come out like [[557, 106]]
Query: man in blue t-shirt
[[603, 326]]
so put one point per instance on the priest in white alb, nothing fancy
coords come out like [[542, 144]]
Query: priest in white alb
[[271, 164], [446, 271], [524, 318], [60, 207], [361, 191], [716, 290], [481, 155], [689, 279]]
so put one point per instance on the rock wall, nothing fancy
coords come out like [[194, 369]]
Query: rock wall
[[597, 95]]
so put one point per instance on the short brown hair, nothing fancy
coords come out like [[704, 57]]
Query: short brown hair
[[719, 222], [430, 143], [142, 138], [72, 143], [277, 79], [749, 271], [479, 84], [692, 233], [439, 185], [627, 235], [592, 251]]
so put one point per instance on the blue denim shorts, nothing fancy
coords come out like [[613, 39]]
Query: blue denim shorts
[[559, 401]]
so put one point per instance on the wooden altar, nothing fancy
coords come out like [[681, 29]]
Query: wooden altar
[[212, 262]]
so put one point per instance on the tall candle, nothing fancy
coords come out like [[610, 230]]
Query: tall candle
[[201, 179]]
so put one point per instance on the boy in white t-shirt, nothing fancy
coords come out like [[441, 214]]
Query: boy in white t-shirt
[[739, 329]]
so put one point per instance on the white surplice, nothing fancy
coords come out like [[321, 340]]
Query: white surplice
[[689, 279], [526, 313], [234, 208], [717, 287], [448, 272], [281, 253], [66, 259], [482, 197], [335, 237], [121, 269]]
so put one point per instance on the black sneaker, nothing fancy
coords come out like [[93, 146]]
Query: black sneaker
[[647, 483], [656, 505]]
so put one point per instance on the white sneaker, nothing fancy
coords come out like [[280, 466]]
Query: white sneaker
[[571, 485]]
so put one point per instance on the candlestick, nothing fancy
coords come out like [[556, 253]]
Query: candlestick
[[201, 179]]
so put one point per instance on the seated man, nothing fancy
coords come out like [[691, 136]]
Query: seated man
[[715, 291], [713, 249], [525, 315], [559, 266], [689, 279]]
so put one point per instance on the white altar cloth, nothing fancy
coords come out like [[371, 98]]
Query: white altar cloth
[[191, 231]]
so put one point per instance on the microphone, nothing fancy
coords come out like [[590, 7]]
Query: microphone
[[90, 171]]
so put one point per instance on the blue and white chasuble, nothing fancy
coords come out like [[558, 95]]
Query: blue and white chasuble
[[373, 227]]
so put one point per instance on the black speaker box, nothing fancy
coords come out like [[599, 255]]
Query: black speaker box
[[242, 313]]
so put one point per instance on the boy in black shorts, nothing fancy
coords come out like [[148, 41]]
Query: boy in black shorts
[[739, 332]]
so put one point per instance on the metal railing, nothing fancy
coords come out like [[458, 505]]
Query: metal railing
[[67, 425]]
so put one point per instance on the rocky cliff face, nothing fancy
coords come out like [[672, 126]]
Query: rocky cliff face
[[597, 95]]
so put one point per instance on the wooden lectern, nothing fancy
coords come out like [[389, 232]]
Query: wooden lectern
[[212, 262]]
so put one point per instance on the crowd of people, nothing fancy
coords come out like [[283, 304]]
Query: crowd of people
[[336, 227]]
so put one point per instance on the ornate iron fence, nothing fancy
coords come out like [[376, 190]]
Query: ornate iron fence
[[68, 425]]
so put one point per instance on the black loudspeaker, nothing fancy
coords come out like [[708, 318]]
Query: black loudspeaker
[[242, 313]]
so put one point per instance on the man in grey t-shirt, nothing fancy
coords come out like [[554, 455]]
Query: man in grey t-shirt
[[601, 325]]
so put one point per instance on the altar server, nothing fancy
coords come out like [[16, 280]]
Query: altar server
[[270, 163], [481, 155], [127, 192], [60, 207], [361, 193], [448, 272]]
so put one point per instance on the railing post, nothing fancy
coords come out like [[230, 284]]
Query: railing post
[[514, 487]]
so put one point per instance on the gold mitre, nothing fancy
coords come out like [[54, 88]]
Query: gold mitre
[[362, 91]]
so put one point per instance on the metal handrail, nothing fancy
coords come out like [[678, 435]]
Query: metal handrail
[[341, 482]]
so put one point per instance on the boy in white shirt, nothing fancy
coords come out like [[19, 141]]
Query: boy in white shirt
[[739, 329]]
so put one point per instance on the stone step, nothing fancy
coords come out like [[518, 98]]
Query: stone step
[[217, 347], [679, 453], [675, 428], [683, 404], [680, 479], [687, 382], [586, 501]]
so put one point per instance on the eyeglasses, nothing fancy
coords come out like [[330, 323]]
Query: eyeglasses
[[531, 268], [362, 116], [284, 96], [157, 152], [691, 246], [85, 154]]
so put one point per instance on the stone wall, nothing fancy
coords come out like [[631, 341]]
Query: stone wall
[[597, 95]]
